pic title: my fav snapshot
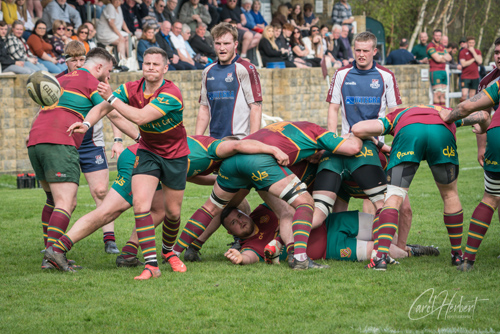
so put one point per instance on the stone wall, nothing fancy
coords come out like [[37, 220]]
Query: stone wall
[[292, 94]]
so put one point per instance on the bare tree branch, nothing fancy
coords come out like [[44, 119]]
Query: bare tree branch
[[417, 29], [478, 46], [442, 15], [463, 19], [435, 12], [492, 48]]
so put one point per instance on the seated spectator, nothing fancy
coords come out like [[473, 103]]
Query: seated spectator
[[200, 43], [297, 20], [18, 49], [163, 40], [147, 41], [248, 39], [178, 42], [284, 42], [280, 17], [92, 32], [59, 38], [246, 8], [300, 50], [336, 48], [159, 7], [150, 18], [452, 49], [314, 44], [44, 50], [169, 11], [401, 56], [9, 9], [23, 14], [35, 8], [7, 62], [269, 51], [279, 39], [59, 10], [197, 57], [344, 38], [80, 7], [133, 13], [213, 9], [257, 16], [82, 35], [111, 29], [309, 17], [70, 30], [192, 14]]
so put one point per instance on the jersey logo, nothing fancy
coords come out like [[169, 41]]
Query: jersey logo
[[366, 153], [374, 84], [163, 100], [352, 100], [120, 180], [346, 252], [352, 83], [402, 154], [264, 219], [211, 78], [260, 177], [99, 160], [489, 162], [118, 91], [449, 152], [229, 77], [276, 127]]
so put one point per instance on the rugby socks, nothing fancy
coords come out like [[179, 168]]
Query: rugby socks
[[197, 244], [193, 229], [146, 234], [129, 250], [58, 223], [454, 223], [375, 228], [301, 227], [170, 230], [479, 223], [108, 236], [46, 213], [289, 248], [388, 220], [63, 245]]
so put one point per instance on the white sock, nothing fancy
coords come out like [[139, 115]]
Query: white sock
[[300, 257]]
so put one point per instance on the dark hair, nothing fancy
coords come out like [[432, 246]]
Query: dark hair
[[40, 21], [294, 41], [298, 18], [102, 54], [437, 30], [80, 28], [307, 7], [497, 41], [453, 45], [226, 212], [311, 29], [403, 42], [470, 38], [155, 50], [3, 23]]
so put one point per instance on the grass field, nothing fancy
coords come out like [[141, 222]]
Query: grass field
[[215, 296]]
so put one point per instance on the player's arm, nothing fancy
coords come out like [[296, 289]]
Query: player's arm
[[332, 118], [351, 145], [231, 147], [480, 101], [478, 58], [202, 120], [481, 147], [123, 125], [466, 63], [367, 129], [117, 148], [203, 180], [94, 115], [247, 257], [255, 116]]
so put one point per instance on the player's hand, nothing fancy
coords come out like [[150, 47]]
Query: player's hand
[[480, 157], [27, 139], [234, 256], [104, 89], [280, 156], [386, 149], [117, 149], [77, 127], [314, 159], [445, 114]]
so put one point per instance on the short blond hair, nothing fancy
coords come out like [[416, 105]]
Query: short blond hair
[[224, 28], [74, 49], [366, 36]]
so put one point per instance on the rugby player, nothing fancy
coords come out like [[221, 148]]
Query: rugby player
[[470, 58], [438, 56], [53, 154], [298, 140], [419, 134]]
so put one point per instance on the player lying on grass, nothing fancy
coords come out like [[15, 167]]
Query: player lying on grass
[[481, 218], [298, 140], [342, 236], [419, 134]]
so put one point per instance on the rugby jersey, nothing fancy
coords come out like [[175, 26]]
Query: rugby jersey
[[432, 48]]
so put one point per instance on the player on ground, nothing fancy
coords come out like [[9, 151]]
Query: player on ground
[[438, 56], [419, 134], [53, 154]]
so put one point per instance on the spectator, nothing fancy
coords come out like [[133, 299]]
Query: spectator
[[70, 30], [344, 38], [452, 49], [270, 52], [133, 13], [178, 42], [420, 50], [169, 11], [192, 14], [257, 16], [401, 56], [163, 40], [35, 8], [246, 9], [284, 41], [82, 35], [148, 40], [279, 38], [44, 50], [299, 49], [150, 18], [280, 17], [197, 57], [470, 59], [23, 14], [7, 62], [111, 29], [297, 20], [18, 49], [309, 17], [92, 32], [462, 44], [314, 44], [248, 39], [59, 10], [342, 14], [200, 44], [9, 8], [336, 48], [438, 56], [59, 38], [159, 7], [80, 7]]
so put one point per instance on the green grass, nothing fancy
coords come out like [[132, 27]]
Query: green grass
[[217, 297]]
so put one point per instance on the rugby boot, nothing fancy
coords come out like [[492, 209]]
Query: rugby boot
[[192, 255], [122, 261], [391, 261], [456, 259], [307, 264], [466, 265], [58, 260], [272, 252], [174, 262], [419, 250], [290, 258], [46, 265], [148, 272], [110, 247], [378, 263]]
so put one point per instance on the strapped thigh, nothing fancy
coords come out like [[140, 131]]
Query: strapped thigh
[[444, 173], [372, 180], [401, 175], [326, 180]]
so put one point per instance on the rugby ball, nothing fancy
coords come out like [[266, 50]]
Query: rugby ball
[[43, 88]]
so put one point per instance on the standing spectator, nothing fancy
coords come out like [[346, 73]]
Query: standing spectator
[[169, 11], [133, 12], [257, 16], [239, 112], [336, 48], [280, 17], [23, 14], [111, 29], [178, 42], [462, 44], [148, 40], [192, 14], [452, 49], [43, 50], [165, 43], [400, 56], [470, 59], [7, 62], [59, 39], [9, 9], [309, 17], [200, 44], [270, 52], [344, 38], [18, 49], [80, 7], [159, 7], [246, 9], [248, 39], [438, 56], [342, 14], [82, 35], [59, 10], [420, 50], [92, 32]]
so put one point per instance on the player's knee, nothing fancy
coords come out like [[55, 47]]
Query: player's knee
[[99, 192], [218, 201], [376, 194], [395, 191], [323, 203], [293, 190]]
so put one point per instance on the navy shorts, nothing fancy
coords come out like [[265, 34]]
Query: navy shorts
[[93, 159]]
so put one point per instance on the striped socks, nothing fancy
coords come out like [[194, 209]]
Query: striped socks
[[388, 226], [193, 229], [146, 233], [129, 250], [46, 213], [108, 236], [479, 223], [454, 223], [301, 227], [59, 221], [170, 230]]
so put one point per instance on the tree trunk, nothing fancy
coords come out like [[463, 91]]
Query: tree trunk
[[434, 15], [478, 46], [463, 20], [491, 49], [417, 29], [445, 10]]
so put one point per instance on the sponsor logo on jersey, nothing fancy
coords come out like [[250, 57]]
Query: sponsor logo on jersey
[[59, 174], [260, 176], [374, 84], [251, 67], [449, 152], [366, 153], [99, 160], [162, 100], [346, 252], [120, 180], [352, 83], [403, 154], [229, 77], [352, 100], [489, 162], [211, 78], [264, 219], [221, 95]]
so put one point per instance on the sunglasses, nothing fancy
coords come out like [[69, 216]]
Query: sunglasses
[[84, 32], [161, 6], [315, 30], [69, 29], [61, 28]]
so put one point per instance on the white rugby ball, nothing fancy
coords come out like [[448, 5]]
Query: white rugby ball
[[43, 88]]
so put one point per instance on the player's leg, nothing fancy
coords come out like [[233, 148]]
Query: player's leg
[[372, 179], [326, 187], [465, 93]]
